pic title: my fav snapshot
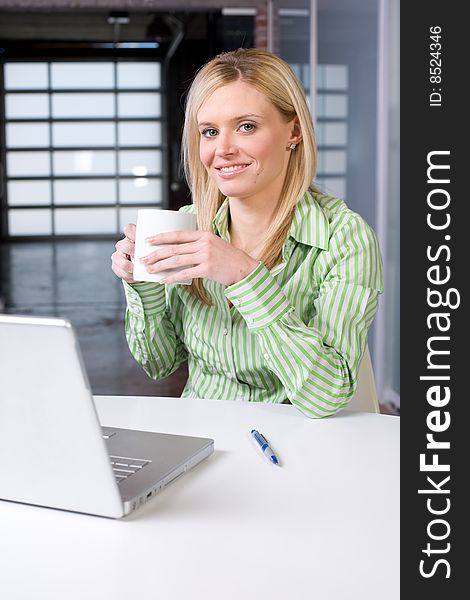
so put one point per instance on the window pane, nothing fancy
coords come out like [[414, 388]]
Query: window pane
[[305, 77], [81, 105], [84, 162], [140, 162], [83, 134], [140, 189], [129, 215], [29, 222], [76, 191], [27, 135], [332, 77], [28, 164], [139, 105], [29, 192], [140, 133], [333, 186], [139, 75], [26, 76], [330, 161], [85, 220], [332, 105], [332, 134], [26, 106], [85, 75], [336, 77]]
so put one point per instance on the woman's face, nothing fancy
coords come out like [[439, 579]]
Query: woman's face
[[244, 142]]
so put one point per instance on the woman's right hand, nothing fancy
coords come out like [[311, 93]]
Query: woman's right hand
[[121, 259]]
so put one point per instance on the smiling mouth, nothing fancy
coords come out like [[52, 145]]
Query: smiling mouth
[[231, 169]]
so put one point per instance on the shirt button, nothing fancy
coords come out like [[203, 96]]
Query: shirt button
[[266, 356], [225, 331], [237, 301]]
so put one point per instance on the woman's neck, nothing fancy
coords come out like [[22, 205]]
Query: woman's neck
[[248, 223]]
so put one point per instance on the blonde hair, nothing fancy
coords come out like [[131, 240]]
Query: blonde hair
[[275, 79]]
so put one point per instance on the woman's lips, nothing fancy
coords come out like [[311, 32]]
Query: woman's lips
[[229, 171]]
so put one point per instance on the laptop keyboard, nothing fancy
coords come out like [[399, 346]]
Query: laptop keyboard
[[124, 467]]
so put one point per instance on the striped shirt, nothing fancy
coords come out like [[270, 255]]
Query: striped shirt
[[295, 333]]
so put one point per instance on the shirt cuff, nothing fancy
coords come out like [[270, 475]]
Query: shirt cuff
[[259, 298], [146, 298]]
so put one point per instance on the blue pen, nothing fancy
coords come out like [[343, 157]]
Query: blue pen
[[264, 446]]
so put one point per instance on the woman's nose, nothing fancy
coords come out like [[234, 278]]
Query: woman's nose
[[225, 145]]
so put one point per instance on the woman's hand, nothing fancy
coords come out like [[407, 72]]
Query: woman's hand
[[121, 259], [200, 254]]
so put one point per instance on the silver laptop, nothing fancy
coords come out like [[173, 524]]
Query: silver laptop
[[54, 451]]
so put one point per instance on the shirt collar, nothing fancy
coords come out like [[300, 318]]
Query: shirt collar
[[310, 225], [220, 221]]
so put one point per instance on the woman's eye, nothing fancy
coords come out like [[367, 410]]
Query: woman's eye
[[247, 127], [209, 132]]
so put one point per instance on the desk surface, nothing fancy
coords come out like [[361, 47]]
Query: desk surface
[[323, 525]]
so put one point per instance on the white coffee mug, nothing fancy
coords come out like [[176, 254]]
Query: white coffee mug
[[150, 222]]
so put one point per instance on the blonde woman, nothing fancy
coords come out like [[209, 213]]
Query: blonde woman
[[285, 279]]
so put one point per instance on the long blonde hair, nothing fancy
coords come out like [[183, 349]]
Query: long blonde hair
[[275, 79]]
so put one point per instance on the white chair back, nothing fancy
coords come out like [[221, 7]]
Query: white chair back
[[365, 399]]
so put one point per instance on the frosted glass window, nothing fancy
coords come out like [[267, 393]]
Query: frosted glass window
[[332, 134], [297, 70], [139, 105], [85, 220], [320, 76], [27, 135], [26, 76], [333, 186], [84, 75], [91, 191], [140, 133], [36, 221], [28, 164], [332, 77], [140, 162], [129, 215], [332, 105], [83, 134], [26, 106], [82, 105], [140, 189], [305, 76], [330, 161], [336, 77], [84, 162], [139, 75], [28, 192]]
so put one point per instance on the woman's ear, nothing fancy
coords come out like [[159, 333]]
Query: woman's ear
[[295, 132]]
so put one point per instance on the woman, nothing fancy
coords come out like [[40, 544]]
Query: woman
[[285, 279]]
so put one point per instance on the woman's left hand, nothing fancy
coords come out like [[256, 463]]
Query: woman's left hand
[[200, 254]]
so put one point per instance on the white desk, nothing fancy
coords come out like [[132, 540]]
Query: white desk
[[325, 525]]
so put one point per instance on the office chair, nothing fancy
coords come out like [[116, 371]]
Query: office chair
[[365, 398]]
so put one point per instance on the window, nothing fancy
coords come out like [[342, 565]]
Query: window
[[84, 145]]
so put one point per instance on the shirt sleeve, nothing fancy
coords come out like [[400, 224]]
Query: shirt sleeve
[[317, 361], [150, 332]]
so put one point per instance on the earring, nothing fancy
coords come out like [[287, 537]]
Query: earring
[[292, 146]]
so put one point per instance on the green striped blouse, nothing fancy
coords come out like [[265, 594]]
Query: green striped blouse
[[295, 333]]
